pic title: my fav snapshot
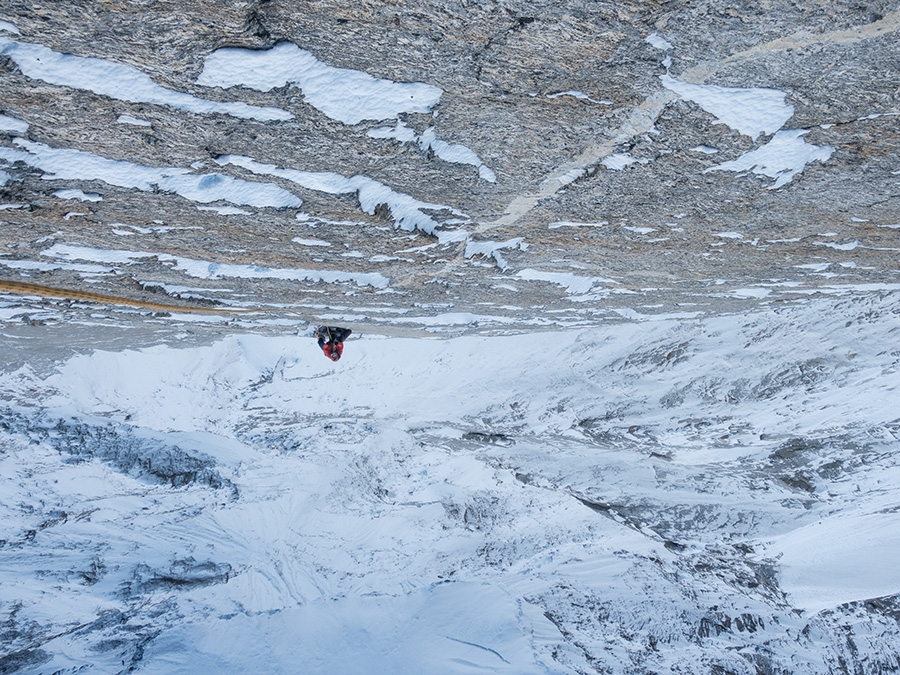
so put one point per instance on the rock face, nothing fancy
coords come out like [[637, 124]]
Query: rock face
[[609, 114], [460, 168]]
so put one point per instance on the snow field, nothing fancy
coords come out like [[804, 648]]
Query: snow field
[[365, 515]]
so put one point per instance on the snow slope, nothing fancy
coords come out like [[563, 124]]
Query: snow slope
[[662, 493]]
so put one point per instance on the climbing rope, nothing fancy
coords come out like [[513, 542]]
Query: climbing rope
[[22, 288]]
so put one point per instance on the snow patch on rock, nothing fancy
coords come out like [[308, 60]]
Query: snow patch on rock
[[69, 164], [752, 111], [119, 81], [343, 94], [782, 158]]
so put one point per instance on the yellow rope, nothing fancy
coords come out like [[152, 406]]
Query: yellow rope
[[22, 288]]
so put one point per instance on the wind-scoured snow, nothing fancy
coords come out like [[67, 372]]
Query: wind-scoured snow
[[782, 158], [569, 223], [573, 283], [343, 94], [13, 125], [399, 132], [847, 557], [84, 270], [574, 93], [752, 111], [119, 81], [69, 164], [618, 161], [202, 269], [407, 212], [80, 195], [133, 121], [310, 242], [491, 249], [659, 42], [225, 210], [428, 141], [663, 492]]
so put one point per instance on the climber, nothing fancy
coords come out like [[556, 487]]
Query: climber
[[331, 340]]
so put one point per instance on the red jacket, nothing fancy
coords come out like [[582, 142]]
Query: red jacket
[[333, 350]]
